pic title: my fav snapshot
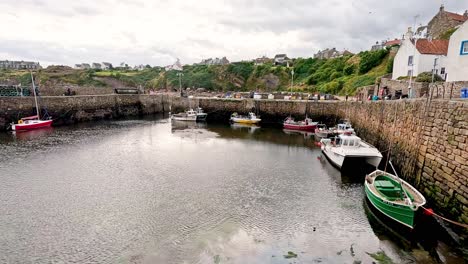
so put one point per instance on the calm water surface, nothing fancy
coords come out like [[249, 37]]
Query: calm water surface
[[148, 191]]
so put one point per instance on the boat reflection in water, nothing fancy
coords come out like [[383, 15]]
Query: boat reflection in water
[[185, 125], [306, 134], [251, 128], [33, 134]]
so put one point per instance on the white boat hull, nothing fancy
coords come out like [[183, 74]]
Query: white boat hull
[[338, 156], [184, 118]]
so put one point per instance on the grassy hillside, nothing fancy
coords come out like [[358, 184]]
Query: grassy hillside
[[337, 76]]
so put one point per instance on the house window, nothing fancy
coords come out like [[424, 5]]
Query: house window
[[410, 72], [442, 71], [464, 48], [410, 60]]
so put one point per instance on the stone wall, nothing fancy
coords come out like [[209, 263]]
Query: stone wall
[[448, 90], [71, 109], [58, 90], [395, 85]]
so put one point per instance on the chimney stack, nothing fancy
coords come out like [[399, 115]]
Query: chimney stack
[[465, 14], [409, 33], [441, 9]]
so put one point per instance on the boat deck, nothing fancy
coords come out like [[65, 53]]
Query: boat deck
[[416, 197]]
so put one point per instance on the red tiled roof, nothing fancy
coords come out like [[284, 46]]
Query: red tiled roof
[[435, 46], [456, 16], [393, 42]]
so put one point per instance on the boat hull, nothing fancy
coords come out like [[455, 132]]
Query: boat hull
[[36, 124], [202, 117], [335, 159], [245, 121], [300, 127], [338, 160], [399, 213], [185, 118]]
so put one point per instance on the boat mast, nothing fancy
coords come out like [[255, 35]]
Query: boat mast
[[292, 83], [35, 97]]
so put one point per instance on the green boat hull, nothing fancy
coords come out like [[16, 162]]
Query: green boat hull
[[400, 213]]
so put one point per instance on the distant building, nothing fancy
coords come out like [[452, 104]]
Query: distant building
[[262, 60], [215, 61], [28, 65], [177, 66], [385, 43], [281, 59], [139, 67], [394, 42], [86, 66], [377, 46], [443, 21], [326, 53], [457, 55], [418, 55], [331, 53], [107, 66], [96, 66]]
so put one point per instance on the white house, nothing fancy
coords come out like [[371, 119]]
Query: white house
[[457, 55], [177, 66], [96, 66], [281, 59], [106, 65], [419, 55]]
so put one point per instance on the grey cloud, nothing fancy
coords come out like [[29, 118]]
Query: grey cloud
[[350, 24], [58, 54]]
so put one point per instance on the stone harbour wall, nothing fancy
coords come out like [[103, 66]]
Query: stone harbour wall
[[72, 109]]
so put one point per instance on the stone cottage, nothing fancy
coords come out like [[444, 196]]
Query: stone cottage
[[444, 21]]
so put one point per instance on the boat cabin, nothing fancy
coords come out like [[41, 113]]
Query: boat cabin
[[252, 115], [348, 140], [191, 112], [344, 126], [321, 126]]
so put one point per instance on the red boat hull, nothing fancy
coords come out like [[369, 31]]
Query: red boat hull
[[25, 127], [300, 127]]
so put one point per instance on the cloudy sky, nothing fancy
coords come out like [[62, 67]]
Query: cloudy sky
[[157, 32]]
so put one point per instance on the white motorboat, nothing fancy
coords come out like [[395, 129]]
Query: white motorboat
[[189, 115], [346, 146], [344, 127], [321, 131], [250, 119]]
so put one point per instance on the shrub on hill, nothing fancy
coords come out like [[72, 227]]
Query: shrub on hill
[[371, 59]]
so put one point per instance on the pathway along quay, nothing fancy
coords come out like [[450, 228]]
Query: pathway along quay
[[429, 138]]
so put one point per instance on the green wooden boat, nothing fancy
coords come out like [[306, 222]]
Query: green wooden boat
[[393, 197]]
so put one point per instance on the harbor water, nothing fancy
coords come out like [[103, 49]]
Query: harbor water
[[154, 191]]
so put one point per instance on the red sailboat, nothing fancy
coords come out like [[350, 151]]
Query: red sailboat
[[32, 122]]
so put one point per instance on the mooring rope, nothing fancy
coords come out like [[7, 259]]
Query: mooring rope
[[431, 212]]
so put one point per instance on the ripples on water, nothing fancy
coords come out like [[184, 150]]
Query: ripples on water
[[146, 191]]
